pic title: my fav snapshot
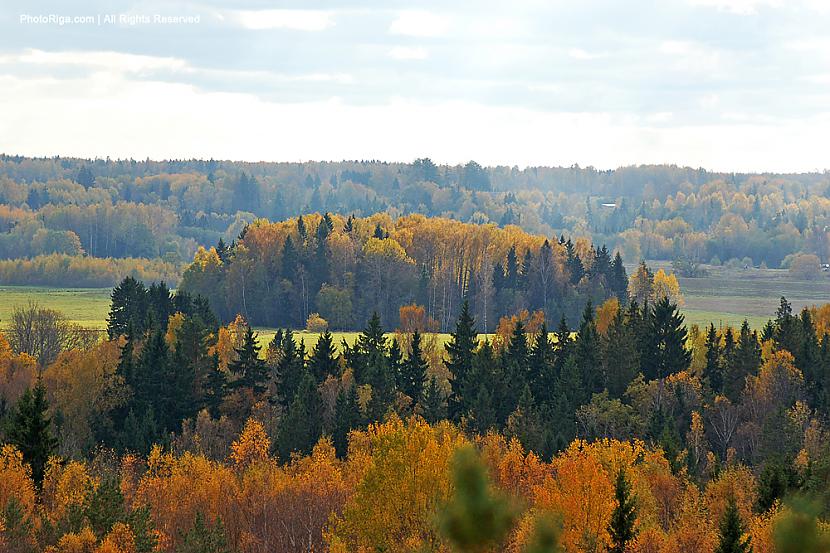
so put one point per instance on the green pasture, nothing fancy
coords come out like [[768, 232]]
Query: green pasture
[[87, 307]]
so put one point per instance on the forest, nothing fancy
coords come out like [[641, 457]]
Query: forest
[[624, 431], [164, 211]]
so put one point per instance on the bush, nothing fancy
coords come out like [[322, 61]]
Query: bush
[[316, 323], [805, 266]]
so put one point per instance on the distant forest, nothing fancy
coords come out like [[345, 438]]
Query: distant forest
[[165, 210]]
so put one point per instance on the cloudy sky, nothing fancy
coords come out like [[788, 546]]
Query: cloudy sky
[[724, 84]]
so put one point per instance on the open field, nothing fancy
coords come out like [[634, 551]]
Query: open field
[[728, 296], [87, 307]]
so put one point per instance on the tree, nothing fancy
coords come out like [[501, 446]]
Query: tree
[[414, 370], [128, 306], [433, 405], [731, 531], [30, 430], [204, 538], [290, 368], [323, 361], [302, 425], [43, 333], [347, 417], [622, 527], [712, 371], [666, 351], [476, 518], [250, 371], [641, 284], [460, 348]]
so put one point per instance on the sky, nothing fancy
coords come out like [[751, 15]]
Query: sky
[[729, 85]]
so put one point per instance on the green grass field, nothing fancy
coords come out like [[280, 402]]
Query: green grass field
[[87, 307]]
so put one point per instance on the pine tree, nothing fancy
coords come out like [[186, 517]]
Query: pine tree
[[460, 348], [302, 425], [323, 360], [204, 538], [250, 370], [29, 429], [731, 532], [622, 527], [414, 371], [347, 417]]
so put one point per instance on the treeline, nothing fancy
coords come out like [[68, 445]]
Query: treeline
[[278, 274], [84, 272], [129, 208]]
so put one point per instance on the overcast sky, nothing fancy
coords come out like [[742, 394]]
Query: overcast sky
[[738, 85]]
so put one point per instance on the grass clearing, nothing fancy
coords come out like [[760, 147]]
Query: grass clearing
[[87, 307]]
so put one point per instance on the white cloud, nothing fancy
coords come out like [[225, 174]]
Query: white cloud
[[408, 53], [296, 20], [420, 23], [580, 54], [739, 7], [167, 120], [109, 61]]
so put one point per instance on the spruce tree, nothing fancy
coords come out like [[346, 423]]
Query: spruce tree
[[371, 342], [323, 360], [250, 371], [619, 279], [623, 519], [666, 342], [414, 371], [620, 357], [433, 404], [204, 538], [541, 367], [302, 425], [128, 305], [745, 361], [712, 371], [731, 531], [587, 352], [105, 507], [29, 428], [289, 370], [347, 417], [460, 348]]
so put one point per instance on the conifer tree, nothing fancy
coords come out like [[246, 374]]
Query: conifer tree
[[666, 342], [745, 361], [541, 368], [105, 507], [250, 371], [371, 342], [29, 428], [289, 369], [620, 357], [323, 360], [712, 371], [619, 279], [623, 519], [731, 531], [460, 348], [433, 403], [204, 538], [587, 352], [302, 425], [347, 417], [414, 371]]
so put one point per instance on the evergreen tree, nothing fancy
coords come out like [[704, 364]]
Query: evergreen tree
[[712, 371], [619, 279], [141, 524], [128, 306], [745, 361], [16, 530], [541, 368], [460, 347], [347, 417], [731, 532], [250, 371], [382, 381], [203, 538], [302, 425], [371, 342], [105, 507], [587, 352], [623, 519], [323, 360], [414, 371], [290, 368], [525, 424], [666, 342], [29, 429], [620, 357], [216, 386], [433, 404]]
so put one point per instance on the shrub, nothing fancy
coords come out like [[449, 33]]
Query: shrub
[[316, 323]]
